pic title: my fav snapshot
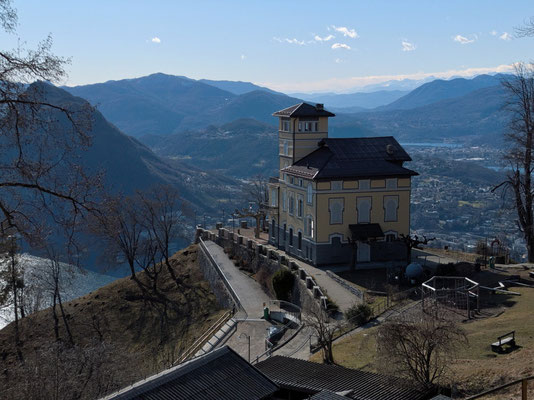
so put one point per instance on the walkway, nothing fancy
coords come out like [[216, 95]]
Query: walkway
[[249, 292]]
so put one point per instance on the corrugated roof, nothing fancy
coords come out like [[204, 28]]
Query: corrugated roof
[[219, 375], [304, 110], [309, 377], [354, 158], [328, 395]]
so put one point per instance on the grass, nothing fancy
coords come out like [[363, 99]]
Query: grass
[[151, 335], [477, 367]]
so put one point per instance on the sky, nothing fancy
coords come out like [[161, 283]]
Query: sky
[[290, 46]]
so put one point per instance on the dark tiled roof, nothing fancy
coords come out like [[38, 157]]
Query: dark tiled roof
[[219, 375], [304, 110], [366, 231], [354, 158], [309, 377], [328, 395]]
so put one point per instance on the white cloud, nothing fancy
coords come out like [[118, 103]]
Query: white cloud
[[156, 40], [407, 46], [338, 60], [505, 36], [340, 46], [346, 31], [493, 33], [243, 56], [323, 39], [352, 83], [291, 41], [463, 40]]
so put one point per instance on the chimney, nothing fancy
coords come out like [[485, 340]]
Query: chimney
[[319, 107]]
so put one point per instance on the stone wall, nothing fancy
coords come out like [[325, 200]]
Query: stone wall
[[258, 258], [213, 277]]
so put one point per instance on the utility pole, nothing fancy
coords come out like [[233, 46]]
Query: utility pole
[[248, 338]]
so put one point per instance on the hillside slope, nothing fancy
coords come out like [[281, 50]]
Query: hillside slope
[[119, 336], [130, 165]]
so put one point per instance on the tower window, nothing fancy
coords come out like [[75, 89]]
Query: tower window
[[310, 193], [285, 125]]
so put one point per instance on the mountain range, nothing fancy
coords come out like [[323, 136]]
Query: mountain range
[[162, 104], [129, 165]]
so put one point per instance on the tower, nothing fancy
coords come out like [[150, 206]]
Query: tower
[[300, 128]]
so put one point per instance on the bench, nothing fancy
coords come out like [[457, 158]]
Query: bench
[[508, 338]]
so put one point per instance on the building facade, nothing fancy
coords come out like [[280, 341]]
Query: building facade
[[338, 201]]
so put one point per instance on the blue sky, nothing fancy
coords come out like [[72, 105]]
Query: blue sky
[[291, 46]]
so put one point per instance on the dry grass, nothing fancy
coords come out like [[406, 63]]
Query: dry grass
[[477, 368], [151, 334]]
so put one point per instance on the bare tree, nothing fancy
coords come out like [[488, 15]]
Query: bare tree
[[324, 328], [40, 138], [12, 283], [257, 195], [413, 242], [418, 347], [520, 137], [527, 29]]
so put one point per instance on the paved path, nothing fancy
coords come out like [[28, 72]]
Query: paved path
[[343, 297], [247, 289]]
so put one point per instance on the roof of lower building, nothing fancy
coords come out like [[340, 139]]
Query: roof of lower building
[[353, 158], [304, 110], [328, 395], [310, 377], [218, 375]]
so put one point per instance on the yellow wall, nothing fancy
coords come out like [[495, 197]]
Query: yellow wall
[[324, 229]]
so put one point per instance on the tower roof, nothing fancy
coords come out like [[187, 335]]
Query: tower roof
[[304, 110]]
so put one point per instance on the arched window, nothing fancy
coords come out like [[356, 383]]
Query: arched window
[[363, 205], [300, 240], [336, 211], [291, 236], [310, 193]]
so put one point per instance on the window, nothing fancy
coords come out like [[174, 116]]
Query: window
[[308, 126], [274, 197], [308, 227], [337, 185], [291, 179], [299, 240], [391, 183], [300, 182], [391, 205], [285, 125], [286, 148], [291, 203], [336, 208], [363, 205], [390, 236], [273, 228], [284, 200], [285, 232], [309, 193], [300, 206], [364, 184], [291, 236]]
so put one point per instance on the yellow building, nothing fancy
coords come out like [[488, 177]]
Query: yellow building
[[338, 201]]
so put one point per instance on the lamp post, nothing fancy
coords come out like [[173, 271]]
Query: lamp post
[[248, 337]]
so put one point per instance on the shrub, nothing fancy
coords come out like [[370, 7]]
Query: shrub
[[359, 314], [283, 284], [331, 306]]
